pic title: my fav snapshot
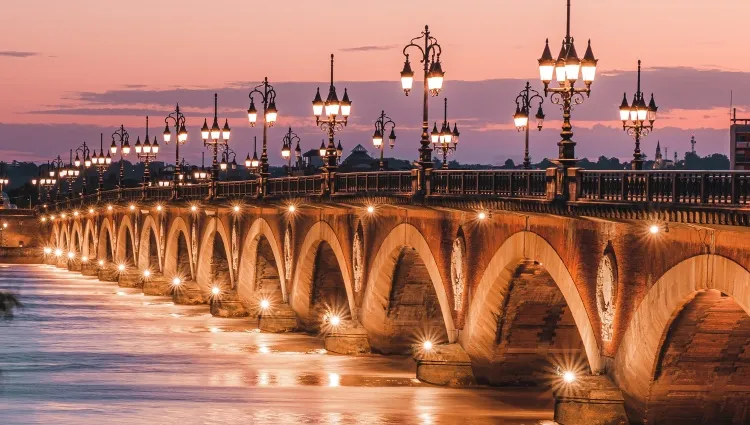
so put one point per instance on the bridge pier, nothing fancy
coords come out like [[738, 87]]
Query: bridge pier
[[347, 338], [227, 305], [278, 319], [156, 285], [130, 280], [188, 292], [89, 268], [108, 274], [446, 364], [590, 400], [61, 262], [74, 265], [50, 260]]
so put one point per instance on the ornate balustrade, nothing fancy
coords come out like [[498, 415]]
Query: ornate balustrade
[[301, 185], [386, 182], [506, 183], [679, 187]]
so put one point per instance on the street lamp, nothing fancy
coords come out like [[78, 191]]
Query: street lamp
[[270, 114], [146, 153], [228, 160], [84, 151], [286, 149], [566, 70], [445, 140], [57, 167], [70, 174], [215, 137], [46, 180], [122, 137], [524, 102], [3, 179], [331, 123], [253, 164], [179, 128], [381, 126], [201, 174], [433, 83], [638, 119], [101, 163]]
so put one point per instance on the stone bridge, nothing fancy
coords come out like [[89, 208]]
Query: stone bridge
[[639, 291]]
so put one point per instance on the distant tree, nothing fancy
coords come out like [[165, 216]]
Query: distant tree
[[509, 164]]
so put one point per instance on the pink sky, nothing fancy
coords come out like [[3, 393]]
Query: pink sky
[[97, 46]]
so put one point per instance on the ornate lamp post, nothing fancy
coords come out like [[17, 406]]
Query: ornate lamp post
[[70, 174], [228, 160], [101, 163], [3, 180], [524, 102], [178, 119], [57, 166], [46, 181], [146, 153], [433, 82], [201, 174], [337, 115], [253, 164], [84, 151], [381, 126], [213, 138], [122, 137], [638, 119], [566, 70], [286, 149], [445, 140], [270, 114]]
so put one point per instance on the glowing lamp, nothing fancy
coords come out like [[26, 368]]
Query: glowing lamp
[[569, 377], [427, 345], [215, 290], [335, 320], [264, 304], [176, 281]]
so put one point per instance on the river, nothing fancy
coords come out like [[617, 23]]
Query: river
[[88, 352]]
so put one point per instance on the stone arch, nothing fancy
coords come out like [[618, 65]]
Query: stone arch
[[54, 238], [172, 264], [637, 357], [77, 238], [404, 248], [491, 294], [88, 248], [148, 246], [125, 251], [261, 246], [64, 237], [320, 239], [206, 272], [105, 245]]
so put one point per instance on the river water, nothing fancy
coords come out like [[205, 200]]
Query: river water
[[87, 352]]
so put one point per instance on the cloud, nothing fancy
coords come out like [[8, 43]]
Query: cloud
[[369, 48], [17, 54]]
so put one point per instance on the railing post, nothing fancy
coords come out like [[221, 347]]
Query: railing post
[[551, 176], [735, 198], [648, 187], [624, 187], [704, 188], [574, 183]]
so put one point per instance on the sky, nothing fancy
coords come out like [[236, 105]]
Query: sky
[[72, 70]]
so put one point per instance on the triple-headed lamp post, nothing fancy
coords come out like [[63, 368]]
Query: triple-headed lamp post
[[253, 164], [638, 119], [433, 83], [336, 117], [121, 137], [101, 163], [286, 149], [146, 152], [524, 102], [70, 173], [213, 138], [445, 140], [178, 119], [84, 151], [267, 95], [381, 126], [566, 70]]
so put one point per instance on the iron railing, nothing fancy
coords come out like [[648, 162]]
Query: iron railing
[[508, 183], [681, 187], [236, 189], [302, 185], [388, 182], [193, 191]]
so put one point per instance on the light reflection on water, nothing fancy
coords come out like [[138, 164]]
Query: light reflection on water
[[88, 352]]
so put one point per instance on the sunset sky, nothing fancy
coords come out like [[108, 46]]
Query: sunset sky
[[72, 69]]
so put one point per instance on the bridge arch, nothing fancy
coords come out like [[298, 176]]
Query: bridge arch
[[638, 355], [89, 240], [258, 244], [404, 249], [210, 256], [64, 237], [54, 237], [493, 292], [320, 247], [125, 250], [148, 246], [178, 258], [105, 246], [77, 231]]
